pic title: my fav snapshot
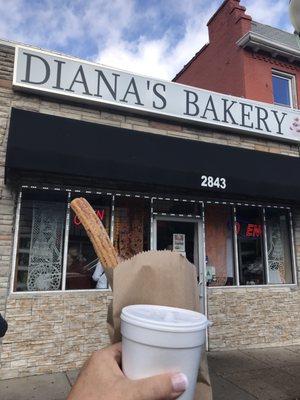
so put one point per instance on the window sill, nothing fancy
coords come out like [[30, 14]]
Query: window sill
[[253, 287], [284, 105], [60, 292]]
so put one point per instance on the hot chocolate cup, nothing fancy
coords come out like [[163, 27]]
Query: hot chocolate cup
[[158, 339]]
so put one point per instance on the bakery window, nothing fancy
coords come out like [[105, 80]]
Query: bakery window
[[131, 232], [249, 229], [53, 251], [40, 246], [248, 245], [84, 271], [236, 244], [279, 254], [219, 246]]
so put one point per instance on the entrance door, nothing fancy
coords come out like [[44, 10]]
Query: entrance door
[[185, 236]]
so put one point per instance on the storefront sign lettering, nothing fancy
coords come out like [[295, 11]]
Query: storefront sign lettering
[[82, 81]]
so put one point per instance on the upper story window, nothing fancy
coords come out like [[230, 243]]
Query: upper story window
[[284, 89]]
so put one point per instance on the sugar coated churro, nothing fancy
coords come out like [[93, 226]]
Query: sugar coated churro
[[97, 234]]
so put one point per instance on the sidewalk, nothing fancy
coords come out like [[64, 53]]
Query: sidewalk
[[264, 374]]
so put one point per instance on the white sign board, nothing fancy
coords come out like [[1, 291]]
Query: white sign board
[[56, 75], [179, 242]]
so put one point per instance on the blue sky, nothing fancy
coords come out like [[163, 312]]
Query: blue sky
[[152, 37]]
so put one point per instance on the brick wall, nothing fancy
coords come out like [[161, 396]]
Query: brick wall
[[219, 65], [248, 73], [57, 331], [6, 195], [258, 75], [52, 332], [252, 317]]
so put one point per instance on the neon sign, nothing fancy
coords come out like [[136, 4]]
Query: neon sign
[[252, 230], [100, 214]]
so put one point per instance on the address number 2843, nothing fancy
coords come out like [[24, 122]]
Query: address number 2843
[[213, 182]]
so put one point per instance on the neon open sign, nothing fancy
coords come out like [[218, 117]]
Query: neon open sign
[[252, 230], [100, 214]]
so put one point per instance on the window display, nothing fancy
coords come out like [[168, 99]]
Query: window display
[[219, 245], [84, 271], [131, 226], [40, 246], [249, 230], [278, 245], [258, 246]]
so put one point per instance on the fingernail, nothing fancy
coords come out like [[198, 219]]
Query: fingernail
[[179, 382]]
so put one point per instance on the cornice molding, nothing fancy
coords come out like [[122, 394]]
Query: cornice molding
[[259, 42]]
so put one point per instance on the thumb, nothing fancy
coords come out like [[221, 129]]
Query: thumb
[[161, 387]]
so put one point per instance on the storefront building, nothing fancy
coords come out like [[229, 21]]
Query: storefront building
[[259, 62], [165, 166]]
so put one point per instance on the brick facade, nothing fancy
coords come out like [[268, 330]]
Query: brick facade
[[219, 65], [247, 73], [52, 332], [256, 317], [57, 331]]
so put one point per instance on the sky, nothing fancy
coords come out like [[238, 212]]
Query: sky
[[151, 37]]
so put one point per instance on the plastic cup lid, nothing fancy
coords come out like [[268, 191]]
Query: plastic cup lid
[[164, 318]]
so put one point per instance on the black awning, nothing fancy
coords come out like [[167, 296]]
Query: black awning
[[46, 143]]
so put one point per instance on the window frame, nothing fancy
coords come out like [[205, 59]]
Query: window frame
[[292, 88], [233, 235], [264, 249], [67, 237], [63, 289], [289, 221], [264, 257], [233, 206]]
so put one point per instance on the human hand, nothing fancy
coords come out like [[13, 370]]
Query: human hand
[[102, 379]]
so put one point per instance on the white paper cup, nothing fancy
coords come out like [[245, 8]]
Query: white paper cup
[[157, 339]]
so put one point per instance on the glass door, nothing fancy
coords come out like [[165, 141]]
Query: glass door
[[186, 237], [177, 236]]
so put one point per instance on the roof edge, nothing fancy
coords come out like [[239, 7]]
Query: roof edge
[[236, 6], [261, 42], [185, 67], [217, 11]]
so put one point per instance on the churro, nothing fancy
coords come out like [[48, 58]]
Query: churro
[[97, 234]]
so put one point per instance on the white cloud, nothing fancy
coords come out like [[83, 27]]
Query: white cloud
[[157, 58], [155, 40], [56, 23], [269, 12], [160, 58]]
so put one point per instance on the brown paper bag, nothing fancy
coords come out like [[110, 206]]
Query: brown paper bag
[[160, 278]]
